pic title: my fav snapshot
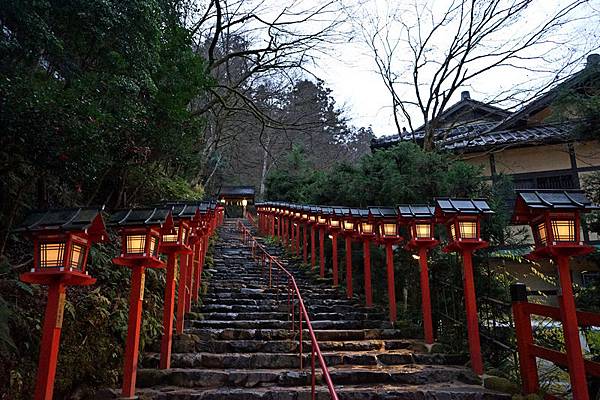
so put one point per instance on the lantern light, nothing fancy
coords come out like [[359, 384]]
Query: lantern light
[[387, 222], [62, 239], [420, 220], [462, 219], [554, 218]]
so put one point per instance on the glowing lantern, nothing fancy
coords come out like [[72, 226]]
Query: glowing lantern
[[62, 240]]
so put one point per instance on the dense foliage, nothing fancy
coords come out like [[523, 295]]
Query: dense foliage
[[94, 109]]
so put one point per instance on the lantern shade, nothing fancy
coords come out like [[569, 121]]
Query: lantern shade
[[555, 220], [462, 220], [62, 240], [323, 216], [141, 230], [386, 220]]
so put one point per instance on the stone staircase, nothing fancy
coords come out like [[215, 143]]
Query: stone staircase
[[238, 344]]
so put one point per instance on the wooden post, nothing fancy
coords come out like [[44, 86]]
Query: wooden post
[[425, 297], [197, 256], [53, 319], [568, 312], [188, 283], [168, 307], [304, 244], [524, 333], [334, 250], [471, 311], [367, 271], [313, 250], [322, 251], [349, 291], [183, 271], [389, 252], [136, 296]]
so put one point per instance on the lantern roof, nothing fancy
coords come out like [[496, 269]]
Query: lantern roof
[[341, 211], [363, 212], [83, 219], [160, 216], [382, 212], [356, 212], [306, 209], [531, 202], [445, 207], [325, 210], [415, 211]]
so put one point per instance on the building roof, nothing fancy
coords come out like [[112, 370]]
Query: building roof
[[511, 130], [237, 191]]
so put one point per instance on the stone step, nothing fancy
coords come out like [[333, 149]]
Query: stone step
[[191, 344], [284, 316], [207, 378], [292, 360], [277, 324], [282, 307], [279, 334], [441, 391]]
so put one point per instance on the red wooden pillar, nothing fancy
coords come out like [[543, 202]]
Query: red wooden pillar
[[292, 242], [425, 297], [367, 271], [272, 225], [168, 307], [298, 239], [304, 244], [49, 345], [313, 249], [349, 290], [322, 251], [568, 313], [471, 311], [136, 296], [334, 250], [183, 271], [198, 250], [524, 333], [188, 283], [389, 256]]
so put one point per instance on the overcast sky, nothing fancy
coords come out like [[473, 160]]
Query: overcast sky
[[350, 70]]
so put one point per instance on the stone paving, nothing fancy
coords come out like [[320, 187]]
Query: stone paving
[[238, 344]]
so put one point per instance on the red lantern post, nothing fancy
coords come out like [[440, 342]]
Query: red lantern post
[[462, 220], [349, 232], [322, 223], [555, 220], [386, 219], [62, 241], [178, 242], [312, 221], [335, 226], [140, 231], [421, 226], [366, 231], [305, 227]]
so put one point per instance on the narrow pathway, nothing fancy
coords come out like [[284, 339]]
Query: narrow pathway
[[238, 345]]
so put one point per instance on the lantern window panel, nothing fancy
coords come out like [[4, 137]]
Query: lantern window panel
[[322, 220], [366, 227], [563, 230], [51, 255], [136, 244], [348, 225], [335, 222], [77, 256], [541, 232], [168, 238], [389, 229], [423, 230], [154, 246], [468, 229]]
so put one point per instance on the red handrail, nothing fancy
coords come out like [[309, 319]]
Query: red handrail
[[302, 313]]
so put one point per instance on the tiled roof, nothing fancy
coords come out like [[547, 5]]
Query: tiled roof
[[236, 191], [537, 134], [483, 136], [462, 206], [556, 199], [70, 219]]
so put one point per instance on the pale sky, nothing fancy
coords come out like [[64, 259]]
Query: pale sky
[[350, 70]]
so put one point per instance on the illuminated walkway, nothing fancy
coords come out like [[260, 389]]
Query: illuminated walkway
[[238, 345]]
